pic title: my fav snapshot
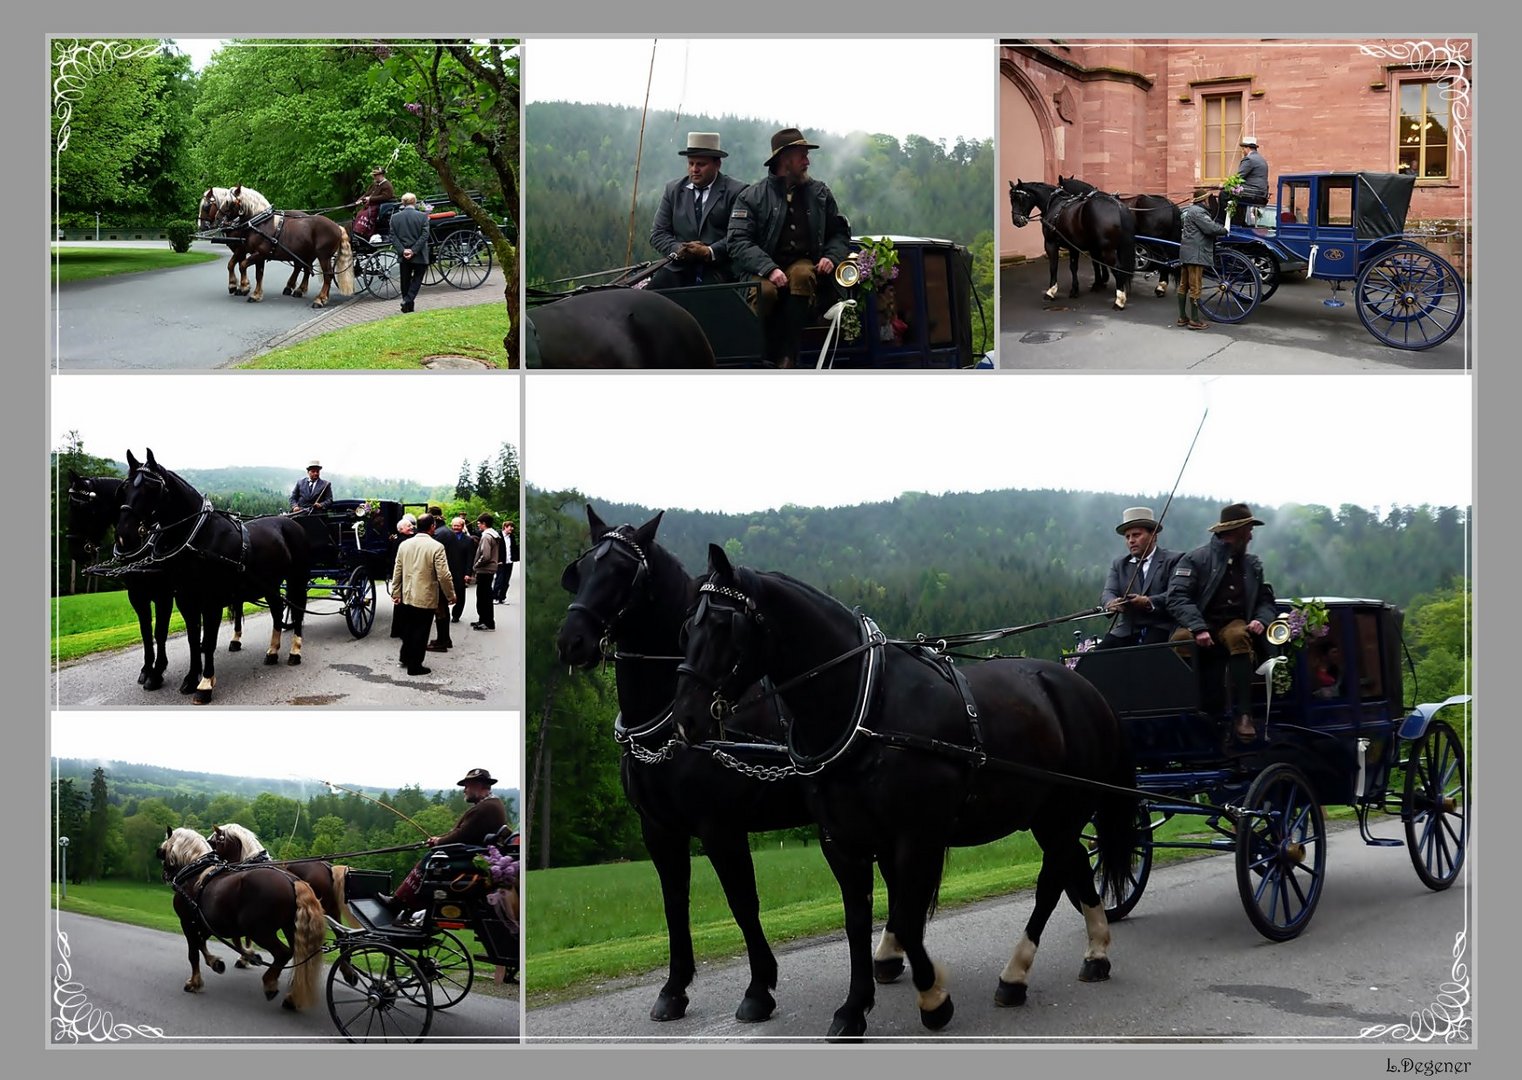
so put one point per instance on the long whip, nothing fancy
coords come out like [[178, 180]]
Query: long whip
[[639, 153], [377, 802]]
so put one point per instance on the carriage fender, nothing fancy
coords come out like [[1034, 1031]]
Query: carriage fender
[[1416, 724]]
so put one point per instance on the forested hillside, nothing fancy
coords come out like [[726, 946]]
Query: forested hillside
[[943, 564]]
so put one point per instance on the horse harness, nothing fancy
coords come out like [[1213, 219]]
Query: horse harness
[[280, 218], [147, 557], [190, 882]]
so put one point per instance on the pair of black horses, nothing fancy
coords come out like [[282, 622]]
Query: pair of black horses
[[172, 548], [895, 754], [1078, 218]]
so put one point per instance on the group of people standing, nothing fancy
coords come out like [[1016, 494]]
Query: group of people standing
[[435, 563], [1214, 595], [784, 231]]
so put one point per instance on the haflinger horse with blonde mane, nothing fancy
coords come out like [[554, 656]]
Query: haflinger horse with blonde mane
[[214, 898], [206, 220], [237, 844], [288, 236]]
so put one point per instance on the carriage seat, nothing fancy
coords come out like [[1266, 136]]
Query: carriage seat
[[383, 214], [1287, 217]]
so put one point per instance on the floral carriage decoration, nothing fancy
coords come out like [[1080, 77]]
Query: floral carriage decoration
[[878, 263], [1305, 622], [502, 871]]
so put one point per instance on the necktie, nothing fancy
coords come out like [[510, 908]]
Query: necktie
[[697, 206]]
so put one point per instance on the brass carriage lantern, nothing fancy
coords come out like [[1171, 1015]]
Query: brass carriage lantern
[[848, 272]]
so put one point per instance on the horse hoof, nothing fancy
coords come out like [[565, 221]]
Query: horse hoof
[[235, 646], [188, 684], [1095, 969], [754, 1010], [154, 681], [252, 300], [319, 303], [269, 995], [288, 1005], [937, 1018], [142, 677], [189, 989], [294, 660], [851, 1028], [886, 971], [288, 292], [669, 1007], [201, 697], [217, 965], [270, 659], [240, 964], [1009, 995]]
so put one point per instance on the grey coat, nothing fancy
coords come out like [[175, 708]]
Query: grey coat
[[1154, 587], [1198, 231], [1254, 173], [409, 229], [1198, 574], [755, 225], [675, 224]]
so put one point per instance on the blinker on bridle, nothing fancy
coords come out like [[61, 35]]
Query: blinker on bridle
[[720, 706], [637, 584]]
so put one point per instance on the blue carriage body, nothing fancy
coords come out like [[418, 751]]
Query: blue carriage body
[[1332, 224]]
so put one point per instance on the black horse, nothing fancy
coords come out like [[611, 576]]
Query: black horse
[[258, 901], [93, 505], [634, 594], [906, 756], [1098, 225], [1157, 218], [615, 327], [214, 560]]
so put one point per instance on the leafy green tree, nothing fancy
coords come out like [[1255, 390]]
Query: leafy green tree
[[507, 481], [1439, 626], [464, 487], [94, 854], [143, 832]]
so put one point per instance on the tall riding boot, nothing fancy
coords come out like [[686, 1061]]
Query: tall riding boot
[[1239, 670], [1183, 310], [795, 315], [1196, 318]]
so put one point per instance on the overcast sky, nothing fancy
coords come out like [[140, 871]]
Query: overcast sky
[[412, 427], [828, 84], [745, 442], [371, 749]]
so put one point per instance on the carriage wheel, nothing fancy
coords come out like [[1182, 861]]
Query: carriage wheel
[[1281, 852], [1410, 298], [1268, 273], [383, 274], [447, 964], [466, 258], [1436, 825], [391, 1000], [359, 602], [1232, 287], [1118, 907]]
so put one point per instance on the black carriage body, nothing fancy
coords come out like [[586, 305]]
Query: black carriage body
[[460, 254], [353, 544]]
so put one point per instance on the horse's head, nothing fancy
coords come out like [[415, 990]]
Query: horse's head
[[209, 210], [235, 209], [608, 581], [230, 842], [1024, 200], [91, 506], [724, 643], [143, 498], [180, 848]]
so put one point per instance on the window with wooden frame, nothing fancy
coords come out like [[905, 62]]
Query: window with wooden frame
[[1221, 118], [1422, 137]]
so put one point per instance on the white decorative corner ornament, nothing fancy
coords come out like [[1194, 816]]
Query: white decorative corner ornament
[[75, 1019], [81, 62], [1448, 1019]]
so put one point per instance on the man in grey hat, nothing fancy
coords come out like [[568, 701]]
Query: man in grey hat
[[787, 231], [485, 815], [311, 492], [1253, 170], [1136, 590], [1218, 597], [692, 222]]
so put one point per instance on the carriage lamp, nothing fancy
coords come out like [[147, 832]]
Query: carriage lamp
[[63, 868], [1277, 632], [848, 273]]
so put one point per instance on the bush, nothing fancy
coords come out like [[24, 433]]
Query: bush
[[180, 233]]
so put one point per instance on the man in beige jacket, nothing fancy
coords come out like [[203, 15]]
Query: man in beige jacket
[[422, 569]]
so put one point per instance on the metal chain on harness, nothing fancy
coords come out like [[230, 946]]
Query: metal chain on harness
[[766, 773]]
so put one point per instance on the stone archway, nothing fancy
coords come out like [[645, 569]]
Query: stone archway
[[1025, 148]]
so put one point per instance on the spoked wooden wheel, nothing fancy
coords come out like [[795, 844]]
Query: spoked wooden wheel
[[1118, 907], [359, 602], [391, 1000], [466, 259], [1410, 298], [382, 273], [447, 964], [1281, 853], [1437, 827], [1232, 288]]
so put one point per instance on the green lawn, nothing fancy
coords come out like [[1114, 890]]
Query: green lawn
[[587, 924], [93, 622], [82, 264], [401, 342]]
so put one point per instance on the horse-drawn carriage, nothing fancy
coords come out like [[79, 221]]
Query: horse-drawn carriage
[[353, 545], [1339, 735], [404, 971], [921, 319], [1341, 227], [460, 254]]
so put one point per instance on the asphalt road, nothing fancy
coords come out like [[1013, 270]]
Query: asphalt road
[[1291, 332], [173, 320], [1188, 966], [108, 973], [483, 670]]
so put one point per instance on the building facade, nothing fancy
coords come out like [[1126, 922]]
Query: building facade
[[1165, 117]]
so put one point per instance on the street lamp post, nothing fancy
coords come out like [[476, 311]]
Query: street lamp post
[[63, 867]]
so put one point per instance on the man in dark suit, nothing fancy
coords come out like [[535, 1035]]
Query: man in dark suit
[[459, 549], [409, 236], [1136, 590], [693, 219]]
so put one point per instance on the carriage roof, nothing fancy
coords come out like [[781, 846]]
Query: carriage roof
[[1380, 200]]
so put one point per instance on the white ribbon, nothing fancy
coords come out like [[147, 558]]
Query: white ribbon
[[1266, 669], [833, 317]]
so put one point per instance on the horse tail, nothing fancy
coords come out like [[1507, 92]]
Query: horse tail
[[345, 268], [311, 935], [1115, 821], [340, 877]]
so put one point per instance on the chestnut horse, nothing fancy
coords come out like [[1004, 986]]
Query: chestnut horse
[[293, 237]]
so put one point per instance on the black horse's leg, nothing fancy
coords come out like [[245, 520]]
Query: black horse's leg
[[729, 852], [191, 615], [1101, 273], [142, 604], [1079, 886], [210, 616], [853, 873], [1073, 267], [235, 609], [673, 865], [1054, 261], [163, 610], [888, 957], [917, 862], [296, 591], [1014, 980]]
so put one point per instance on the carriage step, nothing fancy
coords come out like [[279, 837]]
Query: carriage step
[[1375, 841]]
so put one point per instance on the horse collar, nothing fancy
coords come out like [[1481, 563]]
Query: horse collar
[[872, 641]]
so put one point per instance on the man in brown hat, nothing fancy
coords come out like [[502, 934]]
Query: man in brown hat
[[380, 191], [1136, 590], [692, 222], [485, 815], [787, 231], [1218, 597]]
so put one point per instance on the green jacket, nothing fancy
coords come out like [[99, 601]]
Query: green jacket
[[755, 225]]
